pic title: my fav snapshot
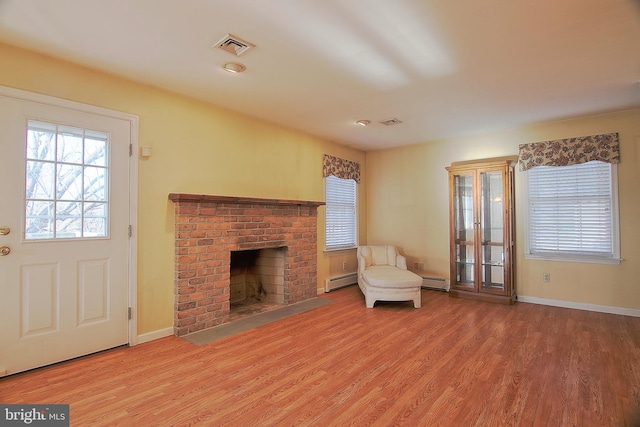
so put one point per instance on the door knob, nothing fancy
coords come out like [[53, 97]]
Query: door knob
[[5, 250], [4, 231]]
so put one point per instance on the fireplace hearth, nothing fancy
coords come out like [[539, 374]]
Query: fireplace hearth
[[208, 229]]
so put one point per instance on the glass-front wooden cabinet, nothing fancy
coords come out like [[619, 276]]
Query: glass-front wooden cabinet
[[481, 230]]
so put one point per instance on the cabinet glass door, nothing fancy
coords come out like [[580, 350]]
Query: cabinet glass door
[[463, 223], [492, 231]]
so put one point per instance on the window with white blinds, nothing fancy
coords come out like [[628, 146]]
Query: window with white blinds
[[341, 220], [572, 213]]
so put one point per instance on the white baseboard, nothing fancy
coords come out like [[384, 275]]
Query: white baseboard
[[581, 306], [154, 335]]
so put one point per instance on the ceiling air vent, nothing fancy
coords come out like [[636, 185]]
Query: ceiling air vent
[[234, 45], [391, 122]]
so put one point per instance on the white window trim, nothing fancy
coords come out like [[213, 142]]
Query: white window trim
[[356, 238], [615, 228]]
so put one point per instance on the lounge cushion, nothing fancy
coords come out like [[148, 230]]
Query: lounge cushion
[[379, 255], [387, 276]]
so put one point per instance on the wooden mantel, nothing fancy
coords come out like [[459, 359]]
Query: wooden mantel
[[204, 198]]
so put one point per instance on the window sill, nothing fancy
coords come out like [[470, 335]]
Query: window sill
[[349, 248], [576, 259]]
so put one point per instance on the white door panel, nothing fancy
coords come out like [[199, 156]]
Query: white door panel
[[61, 298]]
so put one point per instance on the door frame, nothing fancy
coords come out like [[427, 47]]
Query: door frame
[[133, 183]]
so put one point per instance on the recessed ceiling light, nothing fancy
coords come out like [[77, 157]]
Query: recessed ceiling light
[[391, 122], [234, 67], [363, 122]]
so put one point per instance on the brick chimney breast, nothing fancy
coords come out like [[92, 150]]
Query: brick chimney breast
[[208, 228]]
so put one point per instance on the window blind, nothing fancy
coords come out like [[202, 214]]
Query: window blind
[[570, 210], [340, 222]]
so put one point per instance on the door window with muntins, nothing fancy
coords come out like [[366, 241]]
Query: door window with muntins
[[67, 175]]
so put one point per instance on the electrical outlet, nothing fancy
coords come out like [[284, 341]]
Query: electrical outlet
[[546, 277], [344, 265], [415, 266]]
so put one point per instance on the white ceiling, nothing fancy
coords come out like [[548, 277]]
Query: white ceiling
[[443, 67]]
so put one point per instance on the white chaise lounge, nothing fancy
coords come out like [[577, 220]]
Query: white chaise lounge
[[383, 276]]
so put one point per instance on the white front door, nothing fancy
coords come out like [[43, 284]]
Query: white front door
[[64, 243]]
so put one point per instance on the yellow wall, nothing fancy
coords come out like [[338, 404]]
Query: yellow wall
[[200, 148], [197, 148], [408, 206]]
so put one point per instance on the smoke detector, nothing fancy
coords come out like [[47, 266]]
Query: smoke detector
[[391, 122], [234, 45]]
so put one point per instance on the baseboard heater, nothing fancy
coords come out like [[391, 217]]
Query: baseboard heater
[[438, 283], [340, 281]]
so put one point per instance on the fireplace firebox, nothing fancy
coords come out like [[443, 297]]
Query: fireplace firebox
[[257, 275]]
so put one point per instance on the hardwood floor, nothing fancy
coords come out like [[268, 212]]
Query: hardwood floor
[[451, 363]]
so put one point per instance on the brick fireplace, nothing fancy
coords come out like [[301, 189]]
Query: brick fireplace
[[209, 228]]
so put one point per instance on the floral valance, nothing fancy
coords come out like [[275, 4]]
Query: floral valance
[[571, 151], [341, 168]]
